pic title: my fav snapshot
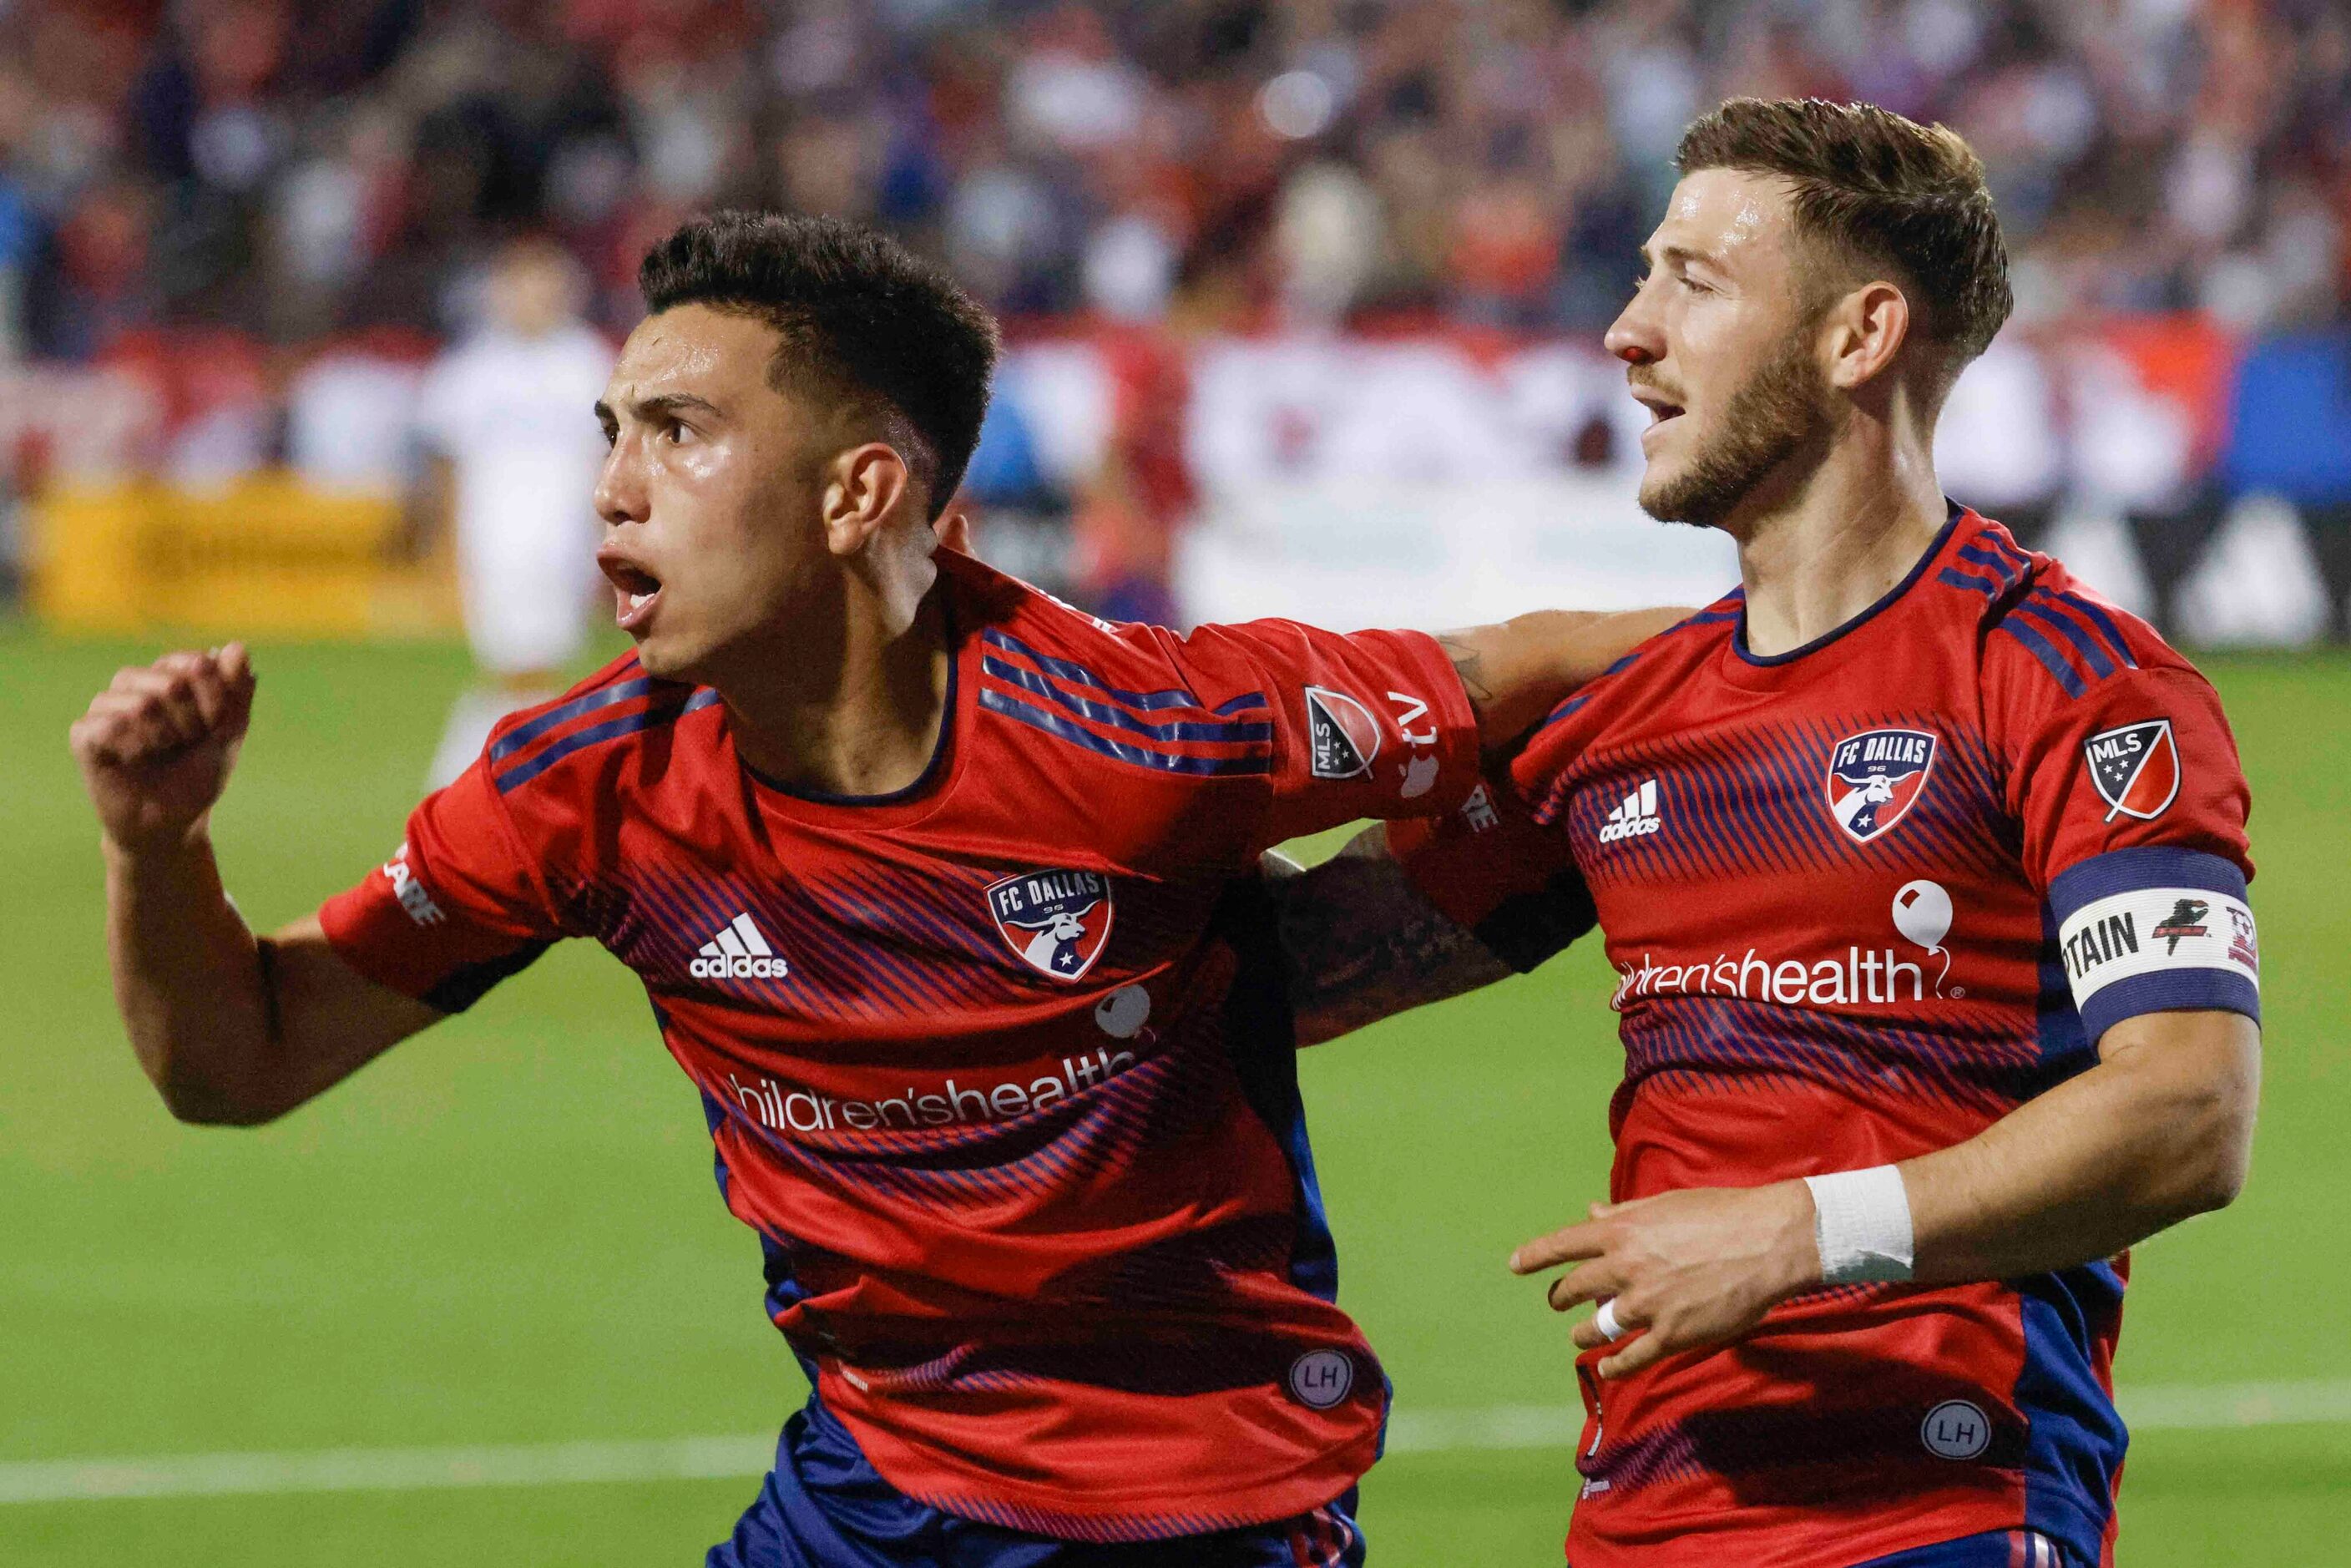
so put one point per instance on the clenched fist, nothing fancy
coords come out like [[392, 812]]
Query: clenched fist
[[156, 746]]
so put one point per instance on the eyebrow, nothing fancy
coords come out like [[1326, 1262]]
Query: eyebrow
[[658, 405], [1680, 255]]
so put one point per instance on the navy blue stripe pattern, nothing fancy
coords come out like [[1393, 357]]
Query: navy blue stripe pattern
[[1052, 724], [1078, 674], [2037, 609], [2070, 634], [2096, 612], [2041, 648], [610, 729], [1098, 702], [520, 736], [1119, 718]]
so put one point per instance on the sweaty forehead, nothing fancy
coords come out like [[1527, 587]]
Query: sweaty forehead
[[694, 348], [1729, 216]]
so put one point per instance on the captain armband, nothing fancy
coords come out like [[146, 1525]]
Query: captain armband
[[2141, 943]]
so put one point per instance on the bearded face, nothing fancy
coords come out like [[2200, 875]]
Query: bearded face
[[1776, 416], [1722, 343]]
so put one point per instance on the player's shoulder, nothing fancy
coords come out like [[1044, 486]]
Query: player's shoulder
[[1124, 691], [2051, 639], [545, 746], [1662, 662]]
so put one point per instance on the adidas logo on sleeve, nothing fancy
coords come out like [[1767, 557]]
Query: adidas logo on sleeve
[[1635, 816], [738, 952]]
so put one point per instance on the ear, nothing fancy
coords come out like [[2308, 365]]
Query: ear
[[868, 485], [955, 532], [1866, 328]]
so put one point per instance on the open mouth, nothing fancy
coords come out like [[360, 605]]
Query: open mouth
[[1661, 413], [636, 594]]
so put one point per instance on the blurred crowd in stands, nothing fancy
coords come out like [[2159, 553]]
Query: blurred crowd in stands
[[294, 167], [244, 181]]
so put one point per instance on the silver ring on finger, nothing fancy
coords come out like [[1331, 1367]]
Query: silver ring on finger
[[1605, 1320]]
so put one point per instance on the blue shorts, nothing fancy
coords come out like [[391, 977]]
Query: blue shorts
[[824, 1507]]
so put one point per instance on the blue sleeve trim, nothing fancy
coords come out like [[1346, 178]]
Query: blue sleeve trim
[[2147, 865], [2051, 659], [2106, 623], [2085, 641], [2171, 991]]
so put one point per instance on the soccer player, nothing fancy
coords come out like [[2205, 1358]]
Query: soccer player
[[509, 467], [1923, 872], [939, 888]]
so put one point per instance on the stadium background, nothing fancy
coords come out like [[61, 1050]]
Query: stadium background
[[1304, 301]]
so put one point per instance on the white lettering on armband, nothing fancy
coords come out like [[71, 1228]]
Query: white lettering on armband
[[2153, 929]]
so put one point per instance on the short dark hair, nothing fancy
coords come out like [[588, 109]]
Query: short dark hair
[[1887, 191], [860, 316]]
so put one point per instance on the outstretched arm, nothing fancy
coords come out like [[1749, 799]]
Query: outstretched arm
[[230, 1027], [2161, 1129], [1361, 942], [1515, 670]]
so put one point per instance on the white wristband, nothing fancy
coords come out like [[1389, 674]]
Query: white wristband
[[1861, 1225]]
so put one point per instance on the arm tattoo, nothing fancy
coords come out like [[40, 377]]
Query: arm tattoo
[[1470, 665], [1359, 942]]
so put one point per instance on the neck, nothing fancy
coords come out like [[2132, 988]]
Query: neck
[[867, 723], [1835, 541]]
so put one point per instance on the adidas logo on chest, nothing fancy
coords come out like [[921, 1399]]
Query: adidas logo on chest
[[738, 953], [1634, 817]]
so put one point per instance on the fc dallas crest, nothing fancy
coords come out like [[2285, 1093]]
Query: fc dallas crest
[[2135, 768], [1875, 777], [1056, 921]]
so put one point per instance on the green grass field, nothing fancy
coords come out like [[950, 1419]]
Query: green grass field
[[506, 1231]]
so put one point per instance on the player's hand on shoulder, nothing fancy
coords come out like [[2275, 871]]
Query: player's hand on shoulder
[[156, 746], [1681, 1270]]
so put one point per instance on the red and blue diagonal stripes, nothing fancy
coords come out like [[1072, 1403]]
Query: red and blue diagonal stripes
[[1989, 564], [1170, 730], [1751, 799], [624, 707], [1715, 1044], [2069, 634]]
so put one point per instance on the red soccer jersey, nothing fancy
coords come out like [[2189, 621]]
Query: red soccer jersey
[[1863, 899], [998, 1067]]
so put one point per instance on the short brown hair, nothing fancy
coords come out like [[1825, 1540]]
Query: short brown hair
[[1887, 192]]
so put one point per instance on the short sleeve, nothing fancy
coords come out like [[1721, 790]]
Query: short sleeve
[[1365, 724], [2133, 808], [457, 908], [1492, 869]]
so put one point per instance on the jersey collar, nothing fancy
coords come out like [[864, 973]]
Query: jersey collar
[[1927, 557]]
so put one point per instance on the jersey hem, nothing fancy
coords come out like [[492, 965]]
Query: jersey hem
[[1136, 1515], [1842, 1542]]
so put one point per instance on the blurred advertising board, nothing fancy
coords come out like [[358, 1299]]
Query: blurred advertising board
[[1351, 552], [262, 555]]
